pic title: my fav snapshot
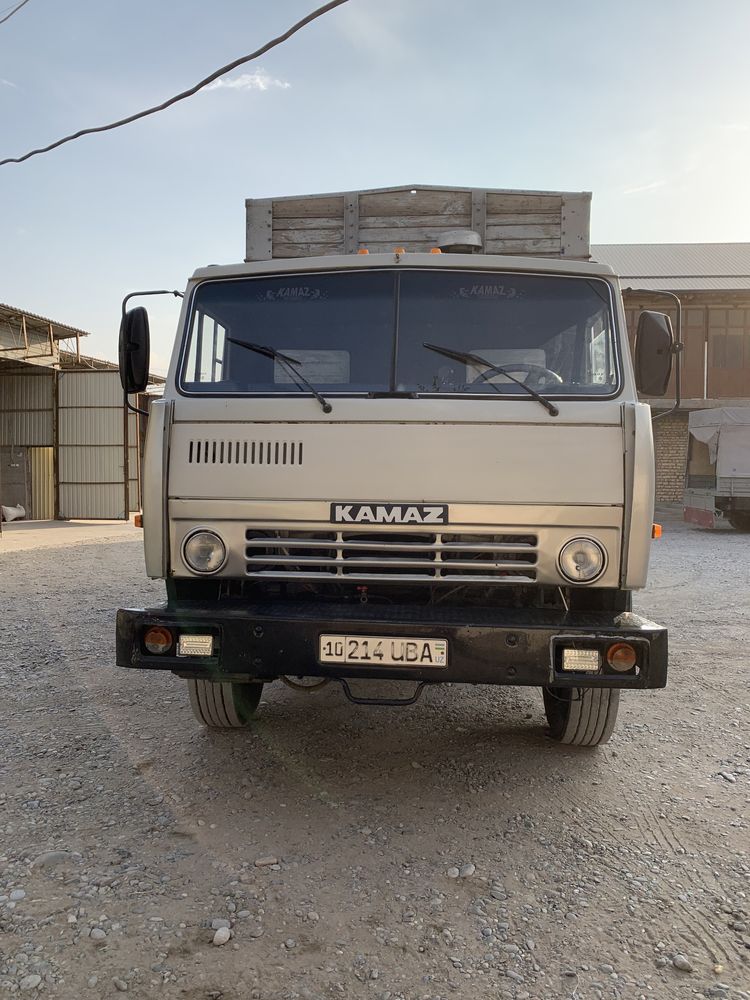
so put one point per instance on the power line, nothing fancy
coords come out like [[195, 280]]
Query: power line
[[8, 8], [185, 93], [15, 9]]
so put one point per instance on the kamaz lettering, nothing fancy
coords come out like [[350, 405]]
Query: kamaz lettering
[[388, 513]]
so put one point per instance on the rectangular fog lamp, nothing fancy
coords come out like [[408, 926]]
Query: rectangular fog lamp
[[582, 660], [195, 645]]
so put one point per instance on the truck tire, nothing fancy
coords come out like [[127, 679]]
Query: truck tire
[[581, 717], [224, 705]]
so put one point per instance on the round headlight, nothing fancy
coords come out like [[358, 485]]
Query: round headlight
[[204, 552], [581, 560]]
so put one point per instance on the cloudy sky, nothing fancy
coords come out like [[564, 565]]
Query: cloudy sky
[[646, 104]]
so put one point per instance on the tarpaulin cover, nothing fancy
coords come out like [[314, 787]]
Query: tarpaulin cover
[[726, 431]]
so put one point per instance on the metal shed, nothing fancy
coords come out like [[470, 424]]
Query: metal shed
[[68, 446]]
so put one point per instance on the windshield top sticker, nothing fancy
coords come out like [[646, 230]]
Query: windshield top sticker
[[389, 513], [292, 293], [487, 292]]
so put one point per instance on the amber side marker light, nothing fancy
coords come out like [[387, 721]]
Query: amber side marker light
[[363, 250], [138, 520], [656, 531], [621, 657], [399, 250], [158, 640], [436, 250]]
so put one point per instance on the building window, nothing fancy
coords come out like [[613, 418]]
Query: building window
[[729, 338]]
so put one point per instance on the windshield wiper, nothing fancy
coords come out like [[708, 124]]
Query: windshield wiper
[[487, 368], [290, 364]]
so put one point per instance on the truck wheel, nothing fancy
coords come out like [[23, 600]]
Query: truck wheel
[[224, 705], [581, 717], [740, 522]]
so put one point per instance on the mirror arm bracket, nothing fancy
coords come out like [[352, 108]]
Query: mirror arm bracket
[[133, 409], [158, 291]]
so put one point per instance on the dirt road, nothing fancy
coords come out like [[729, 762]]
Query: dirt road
[[127, 830]]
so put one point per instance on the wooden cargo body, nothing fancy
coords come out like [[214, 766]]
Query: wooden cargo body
[[517, 223]]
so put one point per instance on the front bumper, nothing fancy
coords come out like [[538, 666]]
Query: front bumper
[[485, 645]]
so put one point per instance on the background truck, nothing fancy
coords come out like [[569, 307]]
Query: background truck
[[403, 441], [717, 485]]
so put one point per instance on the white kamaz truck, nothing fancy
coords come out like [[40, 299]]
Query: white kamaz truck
[[403, 441]]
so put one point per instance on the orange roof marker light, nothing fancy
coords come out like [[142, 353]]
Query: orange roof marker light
[[656, 531], [399, 250], [363, 250], [436, 250]]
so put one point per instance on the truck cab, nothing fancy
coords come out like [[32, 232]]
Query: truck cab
[[428, 467]]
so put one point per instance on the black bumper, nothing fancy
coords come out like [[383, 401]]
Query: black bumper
[[485, 645]]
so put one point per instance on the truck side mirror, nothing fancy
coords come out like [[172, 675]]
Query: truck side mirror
[[134, 350], [654, 348]]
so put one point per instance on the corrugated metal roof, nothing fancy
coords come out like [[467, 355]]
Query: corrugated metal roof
[[687, 284], [679, 266], [60, 330]]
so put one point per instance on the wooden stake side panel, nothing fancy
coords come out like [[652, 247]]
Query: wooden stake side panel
[[516, 223]]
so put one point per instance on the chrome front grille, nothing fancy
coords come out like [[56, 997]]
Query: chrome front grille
[[398, 556]]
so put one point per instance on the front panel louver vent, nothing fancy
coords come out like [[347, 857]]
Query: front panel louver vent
[[245, 452]]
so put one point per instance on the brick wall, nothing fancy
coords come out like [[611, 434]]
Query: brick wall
[[670, 446]]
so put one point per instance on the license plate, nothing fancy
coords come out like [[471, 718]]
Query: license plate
[[383, 651]]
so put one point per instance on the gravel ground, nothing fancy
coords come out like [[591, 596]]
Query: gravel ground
[[323, 844]]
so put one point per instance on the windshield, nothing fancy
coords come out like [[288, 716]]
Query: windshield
[[365, 332]]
